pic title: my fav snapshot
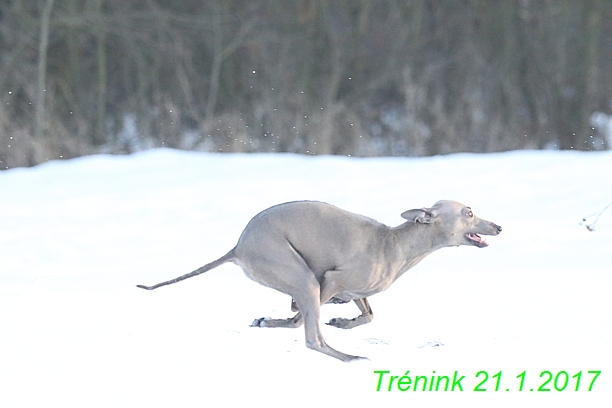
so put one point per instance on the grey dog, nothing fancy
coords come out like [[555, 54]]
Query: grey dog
[[317, 253]]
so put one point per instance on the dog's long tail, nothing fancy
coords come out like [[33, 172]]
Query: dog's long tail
[[230, 256]]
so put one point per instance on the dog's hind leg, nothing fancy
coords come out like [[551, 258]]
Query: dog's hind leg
[[286, 271]]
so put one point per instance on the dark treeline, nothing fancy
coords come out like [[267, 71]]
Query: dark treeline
[[351, 77]]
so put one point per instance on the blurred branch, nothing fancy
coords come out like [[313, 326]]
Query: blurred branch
[[591, 225]]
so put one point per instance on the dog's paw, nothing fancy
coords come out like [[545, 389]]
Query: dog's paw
[[261, 322], [341, 323]]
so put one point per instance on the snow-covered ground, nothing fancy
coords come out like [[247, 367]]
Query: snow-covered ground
[[77, 236]]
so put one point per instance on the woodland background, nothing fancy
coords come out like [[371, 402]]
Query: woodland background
[[346, 77]]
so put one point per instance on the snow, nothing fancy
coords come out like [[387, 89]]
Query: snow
[[77, 236]]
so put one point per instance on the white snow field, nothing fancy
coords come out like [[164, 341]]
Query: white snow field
[[77, 236]]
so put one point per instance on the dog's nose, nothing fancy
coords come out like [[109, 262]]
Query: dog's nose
[[499, 228]]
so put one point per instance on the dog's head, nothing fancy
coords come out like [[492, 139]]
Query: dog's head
[[455, 222]]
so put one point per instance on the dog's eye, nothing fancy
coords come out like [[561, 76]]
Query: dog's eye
[[470, 214]]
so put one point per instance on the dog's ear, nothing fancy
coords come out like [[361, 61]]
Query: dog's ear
[[421, 215]]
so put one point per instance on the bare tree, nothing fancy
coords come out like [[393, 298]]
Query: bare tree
[[42, 66]]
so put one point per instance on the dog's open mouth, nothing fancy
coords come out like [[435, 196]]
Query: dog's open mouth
[[475, 238]]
